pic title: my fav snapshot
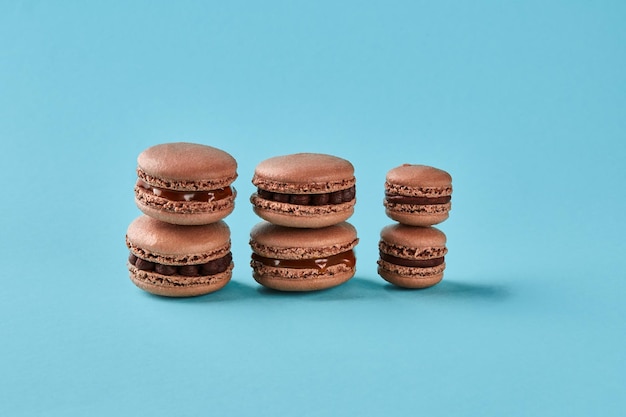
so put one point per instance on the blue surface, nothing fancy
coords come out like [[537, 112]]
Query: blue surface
[[523, 103]]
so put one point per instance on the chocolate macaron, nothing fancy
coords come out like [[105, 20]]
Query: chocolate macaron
[[178, 261], [185, 183], [306, 190], [418, 195], [292, 259], [412, 257]]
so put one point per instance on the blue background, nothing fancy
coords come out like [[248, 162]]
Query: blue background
[[524, 103]]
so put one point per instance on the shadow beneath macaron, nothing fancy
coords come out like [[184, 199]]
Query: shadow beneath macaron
[[356, 288], [457, 289]]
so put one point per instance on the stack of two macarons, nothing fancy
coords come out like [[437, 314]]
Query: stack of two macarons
[[412, 252], [181, 247], [304, 244]]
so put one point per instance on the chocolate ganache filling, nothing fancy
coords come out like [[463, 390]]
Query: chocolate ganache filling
[[210, 268], [336, 197], [205, 196], [345, 258], [418, 201], [412, 263]]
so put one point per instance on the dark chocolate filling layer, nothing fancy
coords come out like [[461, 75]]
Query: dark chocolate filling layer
[[419, 201], [412, 263], [337, 197], [173, 195], [210, 268], [345, 258]]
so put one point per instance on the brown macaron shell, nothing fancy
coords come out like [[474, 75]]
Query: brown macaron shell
[[412, 244], [299, 174], [418, 181], [292, 244], [175, 245], [185, 167]]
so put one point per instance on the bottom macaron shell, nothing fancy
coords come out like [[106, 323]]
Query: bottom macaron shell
[[408, 277], [206, 213], [413, 215], [178, 286], [294, 215], [290, 220], [285, 279]]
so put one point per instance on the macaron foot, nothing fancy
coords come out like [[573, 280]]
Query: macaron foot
[[316, 283], [410, 281], [177, 286]]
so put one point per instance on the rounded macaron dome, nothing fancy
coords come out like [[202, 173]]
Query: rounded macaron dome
[[178, 261], [304, 190], [418, 195], [412, 257], [295, 259], [185, 183]]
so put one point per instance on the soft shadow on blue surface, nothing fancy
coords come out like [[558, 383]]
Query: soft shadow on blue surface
[[461, 290], [234, 291], [355, 289], [362, 288]]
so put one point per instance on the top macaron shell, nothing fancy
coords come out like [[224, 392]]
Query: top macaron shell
[[185, 167], [411, 241], [274, 241], [418, 181], [172, 244], [304, 174]]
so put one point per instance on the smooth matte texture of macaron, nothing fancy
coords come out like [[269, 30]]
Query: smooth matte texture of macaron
[[296, 259], [418, 195], [178, 261], [304, 190], [412, 257], [185, 183]]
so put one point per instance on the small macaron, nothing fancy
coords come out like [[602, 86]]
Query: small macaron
[[418, 195], [185, 183], [306, 190], [412, 257], [178, 261], [292, 259]]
